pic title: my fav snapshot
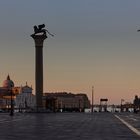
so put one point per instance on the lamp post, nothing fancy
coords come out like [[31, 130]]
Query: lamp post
[[122, 100], [79, 105], [12, 107], [92, 99]]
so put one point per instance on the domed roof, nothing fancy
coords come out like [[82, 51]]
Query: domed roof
[[8, 83]]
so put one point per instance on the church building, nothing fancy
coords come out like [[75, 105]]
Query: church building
[[21, 95]]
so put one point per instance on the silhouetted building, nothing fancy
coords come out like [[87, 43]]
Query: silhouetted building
[[136, 103], [63, 101]]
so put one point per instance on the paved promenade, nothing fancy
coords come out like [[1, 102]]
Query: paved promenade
[[68, 126]]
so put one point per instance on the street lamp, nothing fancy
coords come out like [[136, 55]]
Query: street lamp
[[12, 107], [79, 105], [92, 99], [122, 100]]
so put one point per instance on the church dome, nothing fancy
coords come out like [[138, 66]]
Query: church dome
[[8, 83]]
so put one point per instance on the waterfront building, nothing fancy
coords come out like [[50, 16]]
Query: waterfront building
[[19, 94], [6, 90], [25, 99], [136, 103], [63, 101]]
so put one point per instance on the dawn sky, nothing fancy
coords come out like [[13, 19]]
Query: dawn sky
[[95, 43]]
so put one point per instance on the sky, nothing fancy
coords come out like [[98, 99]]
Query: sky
[[95, 43]]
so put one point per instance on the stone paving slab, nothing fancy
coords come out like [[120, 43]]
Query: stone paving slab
[[131, 118], [64, 126]]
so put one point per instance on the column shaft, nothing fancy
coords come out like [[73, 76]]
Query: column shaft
[[39, 75]]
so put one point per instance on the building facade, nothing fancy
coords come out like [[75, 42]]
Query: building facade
[[20, 96], [63, 101], [136, 103], [25, 99]]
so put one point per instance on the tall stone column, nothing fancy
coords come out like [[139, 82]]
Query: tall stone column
[[39, 39]]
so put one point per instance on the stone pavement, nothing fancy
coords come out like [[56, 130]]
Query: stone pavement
[[64, 126], [132, 118]]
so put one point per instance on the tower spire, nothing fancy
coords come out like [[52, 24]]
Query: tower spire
[[8, 77]]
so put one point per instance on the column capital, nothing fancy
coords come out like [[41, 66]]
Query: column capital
[[39, 39]]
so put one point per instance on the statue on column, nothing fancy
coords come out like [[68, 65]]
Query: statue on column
[[40, 29]]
